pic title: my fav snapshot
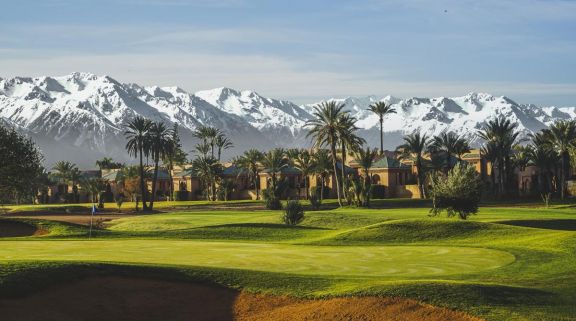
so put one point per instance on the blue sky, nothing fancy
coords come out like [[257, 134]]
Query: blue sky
[[304, 50]]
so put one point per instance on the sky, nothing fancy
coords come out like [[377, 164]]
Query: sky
[[303, 51]]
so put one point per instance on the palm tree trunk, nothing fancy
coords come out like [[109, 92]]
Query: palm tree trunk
[[322, 190], [381, 135], [154, 183], [171, 189], [419, 178], [343, 171], [333, 150], [563, 176], [256, 185], [306, 186], [143, 189]]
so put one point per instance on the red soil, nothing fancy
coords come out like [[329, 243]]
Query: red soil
[[122, 298]]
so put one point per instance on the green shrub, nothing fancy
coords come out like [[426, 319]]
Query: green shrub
[[458, 193], [273, 203], [316, 190], [378, 191], [181, 195], [315, 202], [294, 213]]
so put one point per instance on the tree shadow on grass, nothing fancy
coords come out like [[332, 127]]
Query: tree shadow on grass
[[556, 224], [262, 226]]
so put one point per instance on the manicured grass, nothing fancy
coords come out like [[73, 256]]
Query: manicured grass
[[506, 263]]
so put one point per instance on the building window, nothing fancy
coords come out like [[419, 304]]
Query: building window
[[375, 179]]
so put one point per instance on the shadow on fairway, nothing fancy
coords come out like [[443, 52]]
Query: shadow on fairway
[[17, 229], [264, 225], [559, 224]]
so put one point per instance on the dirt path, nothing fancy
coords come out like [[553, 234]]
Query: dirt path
[[122, 298]]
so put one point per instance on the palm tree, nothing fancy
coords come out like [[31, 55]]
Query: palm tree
[[208, 136], [127, 178], [325, 128], [414, 147], [274, 161], [137, 133], [250, 162], [323, 166], [450, 144], [306, 163], [222, 142], [202, 149], [160, 143], [503, 134], [488, 152], [104, 163], [348, 141], [561, 136], [543, 157], [382, 109], [174, 155], [366, 158], [67, 173], [209, 170]]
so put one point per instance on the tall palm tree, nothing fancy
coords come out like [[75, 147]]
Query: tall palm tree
[[451, 144], [382, 109], [174, 155], [209, 170], [104, 163], [561, 137], [208, 136], [325, 128], [366, 158], [67, 173], [504, 135], [544, 158], [202, 149], [489, 153], [323, 168], [160, 143], [274, 161], [137, 134], [349, 141], [250, 162], [306, 163], [222, 142], [414, 147]]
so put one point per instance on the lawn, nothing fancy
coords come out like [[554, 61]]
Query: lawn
[[506, 263]]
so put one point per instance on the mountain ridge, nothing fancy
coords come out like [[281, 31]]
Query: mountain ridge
[[80, 116]]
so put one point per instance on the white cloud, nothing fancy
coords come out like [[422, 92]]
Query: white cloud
[[271, 76]]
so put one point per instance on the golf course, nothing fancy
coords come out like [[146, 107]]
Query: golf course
[[508, 262]]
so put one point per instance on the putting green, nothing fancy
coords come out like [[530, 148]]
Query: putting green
[[365, 261]]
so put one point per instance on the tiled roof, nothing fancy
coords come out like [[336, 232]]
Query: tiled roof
[[388, 162]]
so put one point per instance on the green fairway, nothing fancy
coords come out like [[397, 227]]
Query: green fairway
[[506, 263], [374, 261]]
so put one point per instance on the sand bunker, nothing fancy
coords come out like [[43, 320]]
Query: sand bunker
[[122, 298], [18, 229]]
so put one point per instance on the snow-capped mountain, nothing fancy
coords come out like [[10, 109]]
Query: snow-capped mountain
[[80, 116]]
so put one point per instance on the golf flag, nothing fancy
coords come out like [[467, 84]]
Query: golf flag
[[94, 210]]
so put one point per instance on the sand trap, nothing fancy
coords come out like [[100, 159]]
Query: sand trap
[[122, 298], [18, 229]]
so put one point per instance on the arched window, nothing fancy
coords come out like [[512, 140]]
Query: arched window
[[375, 179]]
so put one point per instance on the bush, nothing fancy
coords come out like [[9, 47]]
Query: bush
[[458, 193], [315, 202], [181, 195], [273, 203], [316, 190], [119, 199], [294, 213], [378, 191]]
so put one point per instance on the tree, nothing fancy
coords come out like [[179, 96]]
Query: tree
[[451, 145], [208, 170], [160, 140], [349, 141], [293, 213], [207, 135], [108, 163], [174, 155], [457, 193], [137, 134], [414, 147], [503, 135], [365, 158], [250, 162], [129, 178], [94, 186], [274, 161], [561, 136], [305, 162], [544, 158], [68, 173], [323, 166], [382, 109], [21, 166], [325, 128], [222, 142], [488, 152], [202, 149]]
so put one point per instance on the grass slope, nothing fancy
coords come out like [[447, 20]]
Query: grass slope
[[506, 263]]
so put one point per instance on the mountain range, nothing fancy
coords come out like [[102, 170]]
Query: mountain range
[[80, 117]]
